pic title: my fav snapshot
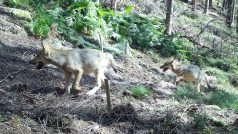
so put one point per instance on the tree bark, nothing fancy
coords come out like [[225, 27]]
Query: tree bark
[[194, 3], [210, 4], [233, 10], [229, 16], [224, 5], [206, 7], [169, 13], [237, 21], [113, 4]]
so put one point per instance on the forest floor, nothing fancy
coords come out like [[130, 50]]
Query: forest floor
[[31, 100]]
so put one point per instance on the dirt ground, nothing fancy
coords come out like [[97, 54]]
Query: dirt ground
[[31, 100]]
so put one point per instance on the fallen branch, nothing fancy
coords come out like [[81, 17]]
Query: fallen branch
[[11, 75], [29, 98], [2, 91], [203, 29], [191, 39]]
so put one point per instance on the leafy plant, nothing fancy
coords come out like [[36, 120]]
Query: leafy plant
[[2, 118], [140, 91], [200, 122], [90, 19], [188, 91], [41, 22], [170, 120], [222, 99], [18, 3]]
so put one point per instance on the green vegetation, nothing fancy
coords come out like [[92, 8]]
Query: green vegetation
[[170, 120], [200, 123], [140, 91], [80, 23], [220, 98], [18, 3], [86, 18], [2, 118], [188, 91]]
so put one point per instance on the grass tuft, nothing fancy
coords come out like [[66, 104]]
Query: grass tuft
[[140, 91]]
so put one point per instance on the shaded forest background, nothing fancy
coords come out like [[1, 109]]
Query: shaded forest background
[[142, 34]]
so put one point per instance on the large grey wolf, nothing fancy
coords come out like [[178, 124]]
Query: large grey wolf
[[186, 72], [76, 62]]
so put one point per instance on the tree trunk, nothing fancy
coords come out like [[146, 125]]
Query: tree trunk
[[225, 5], [233, 10], [194, 3], [210, 4], [237, 21], [113, 4], [169, 13], [206, 7], [229, 16]]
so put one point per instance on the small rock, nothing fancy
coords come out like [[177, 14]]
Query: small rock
[[78, 125], [2, 92], [1, 46], [214, 107], [95, 130]]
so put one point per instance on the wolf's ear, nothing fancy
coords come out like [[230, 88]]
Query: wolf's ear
[[176, 62], [172, 58]]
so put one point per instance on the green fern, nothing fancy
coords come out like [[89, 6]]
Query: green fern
[[140, 91]]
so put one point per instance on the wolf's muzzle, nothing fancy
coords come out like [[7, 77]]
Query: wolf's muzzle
[[39, 66]]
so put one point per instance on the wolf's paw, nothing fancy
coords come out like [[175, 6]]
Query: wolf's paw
[[77, 89], [89, 93], [203, 94], [65, 94]]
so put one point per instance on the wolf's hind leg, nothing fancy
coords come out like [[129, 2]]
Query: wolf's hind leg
[[198, 87], [177, 80], [78, 75], [100, 79], [67, 81], [207, 82]]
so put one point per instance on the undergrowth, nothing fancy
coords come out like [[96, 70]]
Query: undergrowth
[[84, 18], [221, 98], [140, 91]]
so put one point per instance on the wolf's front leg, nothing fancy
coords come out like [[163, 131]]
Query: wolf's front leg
[[67, 82], [78, 75]]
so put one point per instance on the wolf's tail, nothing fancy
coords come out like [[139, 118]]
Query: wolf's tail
[[101, 41], [207, 82], [112, 62]]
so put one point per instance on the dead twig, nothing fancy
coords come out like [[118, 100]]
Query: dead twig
[[2, 91], [203, 29], [29, 98], [11, 74]]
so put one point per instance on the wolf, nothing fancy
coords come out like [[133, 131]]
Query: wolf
[[76, 62], [186, 72]]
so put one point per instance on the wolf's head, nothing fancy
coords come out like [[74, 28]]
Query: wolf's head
[[41, 58], [167, 65], [170, 65]]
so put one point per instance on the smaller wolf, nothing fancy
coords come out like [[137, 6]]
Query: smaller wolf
[[76, 62], [186, 72]]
